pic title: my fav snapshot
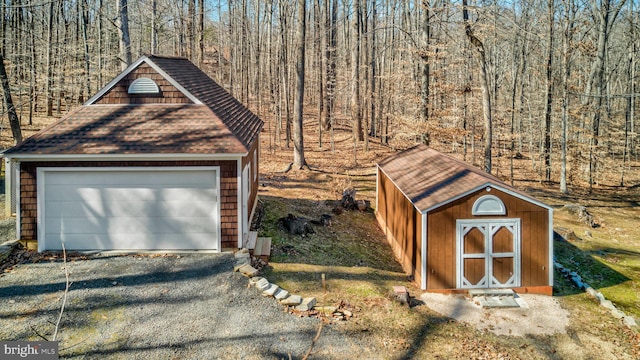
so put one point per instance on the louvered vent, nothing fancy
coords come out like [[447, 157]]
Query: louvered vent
[[143, 86]]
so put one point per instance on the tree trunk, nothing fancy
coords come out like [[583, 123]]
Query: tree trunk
[[154, 27], [356, 108], [547, 111], [14, 122], [425, 37], [484, 85], [298, 135], [569, 13], [124, 41], [200, 33]]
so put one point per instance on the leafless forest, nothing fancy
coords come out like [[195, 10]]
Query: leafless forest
[[554, 81]]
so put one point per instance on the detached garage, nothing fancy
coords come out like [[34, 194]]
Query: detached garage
[[162, 158], [456, 228]]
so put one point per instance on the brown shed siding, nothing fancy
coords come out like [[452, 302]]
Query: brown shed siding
[[169, 94], [402, 224], [441, 232], [228, 192]]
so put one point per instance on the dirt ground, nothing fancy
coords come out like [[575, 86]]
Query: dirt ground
[[537, 314]]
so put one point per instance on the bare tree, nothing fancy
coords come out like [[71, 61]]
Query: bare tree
[[14, 122], [484, 85], [298, 105], [124, 40]]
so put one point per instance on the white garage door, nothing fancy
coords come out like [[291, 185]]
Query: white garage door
[[128, 208]]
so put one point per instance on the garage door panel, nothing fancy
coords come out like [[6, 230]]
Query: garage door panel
[[142, 209], [201, 241], [97, 209], [133, 177], [126, 193], [130, 225]]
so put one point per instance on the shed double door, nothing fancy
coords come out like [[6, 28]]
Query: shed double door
[[488, 253]]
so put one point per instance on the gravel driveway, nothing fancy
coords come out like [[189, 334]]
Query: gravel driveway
[[188, 306]]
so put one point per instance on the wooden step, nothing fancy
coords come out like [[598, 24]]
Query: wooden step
[[251, 240], [262, 248]]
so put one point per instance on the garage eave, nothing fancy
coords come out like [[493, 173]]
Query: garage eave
[[115, 157]]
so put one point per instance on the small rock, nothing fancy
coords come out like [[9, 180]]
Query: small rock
[[254, 280], [629, 321], [306, 304], [600, 297], [239, 263], [248, 270], [240, 255], [347, 313], [588, 233], [262, 284], [292, 300], [608, 305], [618, 314], [591, 291], [271, 290], [281, 294]]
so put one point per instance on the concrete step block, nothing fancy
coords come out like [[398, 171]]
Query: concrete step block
[[307, 304]]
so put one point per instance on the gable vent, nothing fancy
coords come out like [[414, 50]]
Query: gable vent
[[488, 205], [143, 86]]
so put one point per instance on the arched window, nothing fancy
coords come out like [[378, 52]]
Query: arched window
[[143, 86], [488, 205]]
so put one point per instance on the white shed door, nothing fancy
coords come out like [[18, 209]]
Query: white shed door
[[128, 209]]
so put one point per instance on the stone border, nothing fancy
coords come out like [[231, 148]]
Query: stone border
[[243, 265], [576, 279]]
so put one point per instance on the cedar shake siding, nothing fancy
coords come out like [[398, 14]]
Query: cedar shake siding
[[441, 232], [169, 94], [228, 192], [402, 224]]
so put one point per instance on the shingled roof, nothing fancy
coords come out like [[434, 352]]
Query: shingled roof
[[200, 118], [429, 178]]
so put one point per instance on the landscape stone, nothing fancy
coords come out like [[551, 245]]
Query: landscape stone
[[608, 304], [242, 254], [239, 263], [254, 280], [618, 314], [248, 270], [306, 304], [271, 290], [629, 321], [292, 300], [262, 284], [281, 294]]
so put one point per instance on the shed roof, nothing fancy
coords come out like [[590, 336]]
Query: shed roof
[[431, 179], [215, 122]]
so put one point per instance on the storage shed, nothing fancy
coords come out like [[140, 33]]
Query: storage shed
[[454, 227]]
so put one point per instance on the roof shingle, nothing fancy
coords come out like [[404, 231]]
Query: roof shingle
[[430, 178], [220, 125]]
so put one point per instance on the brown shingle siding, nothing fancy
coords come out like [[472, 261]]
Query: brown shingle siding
[[28, 199]]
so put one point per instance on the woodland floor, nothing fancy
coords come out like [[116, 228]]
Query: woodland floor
[[360, 268]]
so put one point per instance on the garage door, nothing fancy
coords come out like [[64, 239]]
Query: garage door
[[128, 208]]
